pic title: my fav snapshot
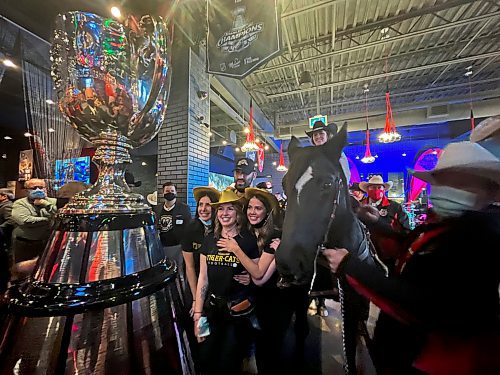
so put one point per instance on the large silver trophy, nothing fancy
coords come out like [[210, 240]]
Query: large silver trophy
[[103, 298]]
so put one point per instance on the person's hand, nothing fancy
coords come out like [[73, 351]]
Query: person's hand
[[275, 243], [242, 278], [335, 257], [197, 317], [228, 244], [191, 312], [368, 213], [40, 202]]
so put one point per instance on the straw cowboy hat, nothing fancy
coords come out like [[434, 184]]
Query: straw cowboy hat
[[375, 180], [466, 157], [265, 195], [320, 125], [152, 198], [69, 189], [202, 191], [228, 196], [487, 134]]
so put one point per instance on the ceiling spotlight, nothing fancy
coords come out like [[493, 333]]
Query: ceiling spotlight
[[224, 142], [51, 130], [9, 63], [257, 140], [4, 156], [365, 88], [376, 156], [237, 149], [28, 134], [115, 11], [210, 134], [7, 138], [385, 30], [202, 94], [50, 102], [403, 154], [144, 163], [266, 147], [357, 157], [274, 163], [246, 130]]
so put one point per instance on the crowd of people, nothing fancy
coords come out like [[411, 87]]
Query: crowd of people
[[438, 297]]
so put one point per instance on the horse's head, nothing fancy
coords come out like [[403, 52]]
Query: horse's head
[[312, 184]]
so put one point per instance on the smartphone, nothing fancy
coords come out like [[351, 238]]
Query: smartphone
[[204, 327]]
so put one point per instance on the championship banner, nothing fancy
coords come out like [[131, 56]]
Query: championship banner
[[242, 35], [25, 165]]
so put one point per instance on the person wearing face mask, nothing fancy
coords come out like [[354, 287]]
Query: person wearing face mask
[[392, 215], [439, 310], [172, 218], [33, 216], [195, 233]]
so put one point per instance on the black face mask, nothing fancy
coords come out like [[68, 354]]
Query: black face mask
[[261, 224], [169, 196]]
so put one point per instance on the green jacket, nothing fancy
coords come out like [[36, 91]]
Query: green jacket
[[33, 222]]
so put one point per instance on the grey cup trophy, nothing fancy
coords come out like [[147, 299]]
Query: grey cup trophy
[[113, 82], [103, 298]]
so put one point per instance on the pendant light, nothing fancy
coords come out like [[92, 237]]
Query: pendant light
[[468, 74], [250, 145], [281, 166], [368, 158], [389, 134]]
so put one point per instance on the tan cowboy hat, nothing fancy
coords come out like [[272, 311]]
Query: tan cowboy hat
[[202, 191], [487, 134], [152, 198], [264, 194], [466, 157], [228, 196], [375, 180]]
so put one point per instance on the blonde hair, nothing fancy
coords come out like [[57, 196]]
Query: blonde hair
[[240, 219]]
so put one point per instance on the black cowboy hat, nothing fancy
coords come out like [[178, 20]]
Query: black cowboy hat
[[320, 125]]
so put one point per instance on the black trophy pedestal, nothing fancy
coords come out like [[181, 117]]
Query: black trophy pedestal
[[102, 300]]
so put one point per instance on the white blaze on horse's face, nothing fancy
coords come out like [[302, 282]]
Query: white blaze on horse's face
[[302, 181]]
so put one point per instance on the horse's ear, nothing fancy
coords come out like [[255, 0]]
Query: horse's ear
[[293, 147], [335, 145]]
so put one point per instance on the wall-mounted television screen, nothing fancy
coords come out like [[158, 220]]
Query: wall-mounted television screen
[[219, 181], [77, 169]]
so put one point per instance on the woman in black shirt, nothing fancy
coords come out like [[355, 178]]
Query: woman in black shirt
[[195, 233], [226, 302]]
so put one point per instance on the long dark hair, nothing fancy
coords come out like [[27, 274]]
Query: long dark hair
[[265, 232]]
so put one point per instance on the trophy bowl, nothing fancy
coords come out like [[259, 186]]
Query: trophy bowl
[[112, 82]]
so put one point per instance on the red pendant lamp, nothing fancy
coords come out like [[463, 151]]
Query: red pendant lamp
[[389, 134], [250, 145], [281, 166], [368, 158]]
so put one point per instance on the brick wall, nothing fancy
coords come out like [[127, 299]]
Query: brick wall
[[183, 143]]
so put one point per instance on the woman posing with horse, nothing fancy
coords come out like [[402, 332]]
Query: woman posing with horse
[[439, 312], [221, 299]]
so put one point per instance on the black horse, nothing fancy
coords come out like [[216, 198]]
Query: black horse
[[319, 214]]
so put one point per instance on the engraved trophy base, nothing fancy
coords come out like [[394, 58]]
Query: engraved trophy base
[[101, 299]]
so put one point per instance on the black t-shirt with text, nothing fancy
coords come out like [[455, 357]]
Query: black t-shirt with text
[[193, 240], [223, 265], [171, 224]]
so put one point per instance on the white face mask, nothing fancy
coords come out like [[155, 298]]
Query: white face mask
[[451, 202]]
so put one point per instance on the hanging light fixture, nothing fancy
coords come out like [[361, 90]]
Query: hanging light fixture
[[368, 158], [468, 74], [281, 166], [389, 134], [250, 145]]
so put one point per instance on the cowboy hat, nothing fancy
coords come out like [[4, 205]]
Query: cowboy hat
[[152, 198], [264, 194], [487, 134], [209, 191], [375, 180], [228, 196], [320, 125], [466, 157]]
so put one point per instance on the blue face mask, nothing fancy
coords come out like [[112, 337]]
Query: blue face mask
[[37, 194], [206, 223]]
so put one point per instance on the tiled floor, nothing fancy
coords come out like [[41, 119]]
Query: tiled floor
[[323, 353]]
